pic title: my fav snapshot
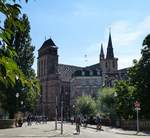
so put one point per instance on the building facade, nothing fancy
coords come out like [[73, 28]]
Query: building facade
[[66, 82]]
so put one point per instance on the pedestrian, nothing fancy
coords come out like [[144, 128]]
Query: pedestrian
[[72, 120], [98, 122], [85, 121], [78, 123], [29, 120]]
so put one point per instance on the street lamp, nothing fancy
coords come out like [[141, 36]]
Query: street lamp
[[17, 96], [61, 109], [21, 102], [56, 114], [17, 77]]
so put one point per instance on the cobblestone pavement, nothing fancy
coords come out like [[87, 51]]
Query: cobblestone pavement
[[48, 131]]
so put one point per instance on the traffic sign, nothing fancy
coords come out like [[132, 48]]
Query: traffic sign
[[137, 104], [137, 108]]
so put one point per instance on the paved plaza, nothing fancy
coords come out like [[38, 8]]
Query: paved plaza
[[48, 131]]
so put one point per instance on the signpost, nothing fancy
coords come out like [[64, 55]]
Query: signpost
[[137, 107]]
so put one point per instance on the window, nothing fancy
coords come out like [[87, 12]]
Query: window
[[106, 64], [83, 73], [91, 73]]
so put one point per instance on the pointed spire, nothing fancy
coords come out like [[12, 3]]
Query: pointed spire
[[102, 53], [110, 53]]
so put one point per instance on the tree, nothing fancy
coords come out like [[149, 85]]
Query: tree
[[124, 100], [140, 78], [106, 102], [26, 85], [85, 105], [8, 82], [21, 42]]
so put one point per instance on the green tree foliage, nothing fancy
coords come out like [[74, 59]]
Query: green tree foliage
[[15, 37], [21, 42], [8, 82], [85, 105], [106, 102], [124, 100], [140, 78]]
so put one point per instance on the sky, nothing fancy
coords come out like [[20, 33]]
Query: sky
[[78, 27]]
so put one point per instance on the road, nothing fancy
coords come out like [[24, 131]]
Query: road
[[47, 131]]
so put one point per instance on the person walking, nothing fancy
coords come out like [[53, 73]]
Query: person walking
[[78, 123], [72, 120], [98, 123], [29, 120]]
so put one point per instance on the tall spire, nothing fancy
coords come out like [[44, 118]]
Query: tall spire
[[110, 52], [102, 53]]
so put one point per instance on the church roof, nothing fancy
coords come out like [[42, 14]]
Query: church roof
[[48, 43], [66, 71], [95, 66]]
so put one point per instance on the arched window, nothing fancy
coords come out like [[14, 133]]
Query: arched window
[[91, 73], [83, 73]]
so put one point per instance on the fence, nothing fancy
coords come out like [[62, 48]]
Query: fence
[[131, 124]]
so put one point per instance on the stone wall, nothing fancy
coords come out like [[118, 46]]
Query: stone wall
[[7, 123]]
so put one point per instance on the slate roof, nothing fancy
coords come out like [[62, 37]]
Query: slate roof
[[48, 43], [110, 52], [94, 67], [66, 71]]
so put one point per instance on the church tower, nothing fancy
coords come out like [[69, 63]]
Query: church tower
[[111, 62], [102, 56], [109, 65], [48, 76]]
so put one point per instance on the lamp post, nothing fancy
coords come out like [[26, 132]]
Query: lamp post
[[61, 110], [73, 107], [56, 115], [22, 105], [17, 96]]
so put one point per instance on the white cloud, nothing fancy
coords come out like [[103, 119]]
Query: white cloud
[[127, 33]]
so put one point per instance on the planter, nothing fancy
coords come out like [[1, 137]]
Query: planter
[[7, 123]]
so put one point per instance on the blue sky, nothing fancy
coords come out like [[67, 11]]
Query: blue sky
[[78, 27]]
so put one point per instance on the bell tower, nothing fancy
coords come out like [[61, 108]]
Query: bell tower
[[49, 78], [109, 65]]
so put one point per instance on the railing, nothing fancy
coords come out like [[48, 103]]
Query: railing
[[131, 124]]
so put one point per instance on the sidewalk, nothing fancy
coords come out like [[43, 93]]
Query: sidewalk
[[129, 132], [36, 131], [121, 131]]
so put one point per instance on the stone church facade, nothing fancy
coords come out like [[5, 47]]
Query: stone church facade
[[65, 83]]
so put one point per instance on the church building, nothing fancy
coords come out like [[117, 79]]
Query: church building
[[65, 83]]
